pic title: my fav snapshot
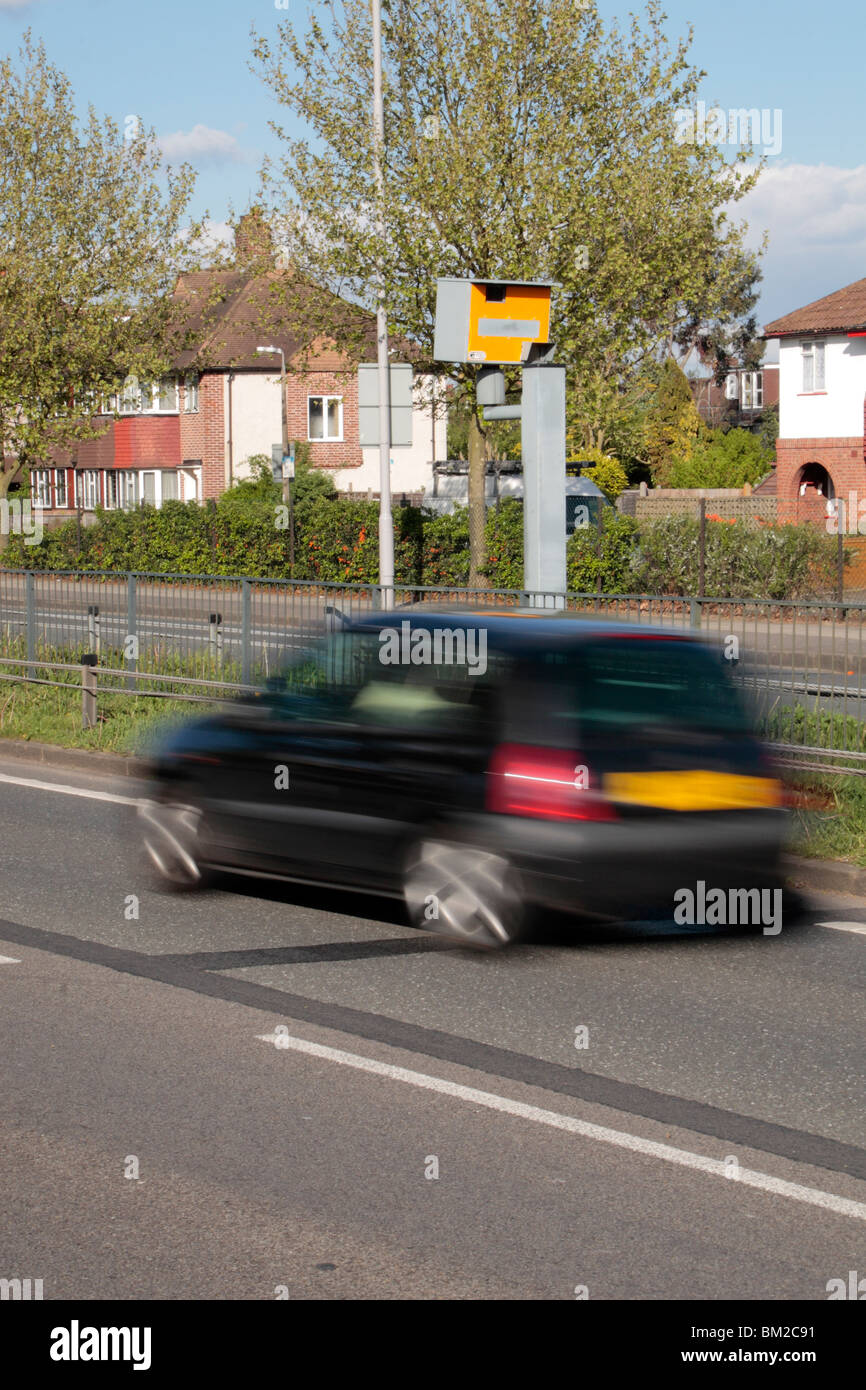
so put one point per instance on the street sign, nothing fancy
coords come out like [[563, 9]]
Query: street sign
[[490, 321], [402, 377]]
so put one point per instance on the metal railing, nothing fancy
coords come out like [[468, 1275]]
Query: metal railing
[[799, 662]]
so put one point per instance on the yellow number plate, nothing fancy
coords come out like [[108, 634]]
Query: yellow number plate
[[693, 790]]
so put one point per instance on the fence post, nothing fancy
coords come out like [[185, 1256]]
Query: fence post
[[694, 612], [30, 608], [131, 643], [840, 565], [214, 635], [93, 626], [246, 631], [88, 690], [702, 547]]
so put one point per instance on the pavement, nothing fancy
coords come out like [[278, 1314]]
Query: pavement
[[266, 1089]]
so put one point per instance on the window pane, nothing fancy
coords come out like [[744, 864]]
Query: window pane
[[149, 488], [169, 486], [167, 394], [191, 392], [333, 417], [808, 370], [60, 487], [819, 366], [317, 417], [129, 399], [146, 393]]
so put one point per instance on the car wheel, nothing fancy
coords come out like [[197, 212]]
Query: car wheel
[[463, 892], [170, 833]]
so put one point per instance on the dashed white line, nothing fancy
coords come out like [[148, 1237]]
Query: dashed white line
[[67, 790], [765, 1182]]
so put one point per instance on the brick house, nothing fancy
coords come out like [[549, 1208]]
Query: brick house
[[192, 434], [821, 449], [739, 401]]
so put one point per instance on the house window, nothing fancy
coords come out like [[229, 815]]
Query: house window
[[190, 392], [60, 498], [813, 366], [129, 401], [86, 489], [165, 396], [41, 483], [169, 486], [753, 390], [148, 489], [112, 491], [325, 417], [127, 489]]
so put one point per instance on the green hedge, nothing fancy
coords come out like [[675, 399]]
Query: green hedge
[[337, 541]]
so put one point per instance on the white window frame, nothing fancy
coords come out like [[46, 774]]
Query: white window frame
[[127, 483], [752, 395], [112, 486], [86, 489], [61, 487], [814, 366], [328, 438], [40, 487], [191, 384], [145, 398]]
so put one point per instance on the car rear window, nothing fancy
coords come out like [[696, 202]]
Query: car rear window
[[628, 684]]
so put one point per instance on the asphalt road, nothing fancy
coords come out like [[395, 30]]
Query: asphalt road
[[287, 1070]]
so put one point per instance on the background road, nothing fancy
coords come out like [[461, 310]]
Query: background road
[[303, 1167]]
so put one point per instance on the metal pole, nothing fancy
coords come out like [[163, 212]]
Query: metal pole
[[386, 526]]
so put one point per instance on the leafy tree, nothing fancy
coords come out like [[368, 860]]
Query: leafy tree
[[722, 459], [524, 140], [93, 232], [672, 423]]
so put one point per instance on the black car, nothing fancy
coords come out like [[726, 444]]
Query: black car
[[483, 766]]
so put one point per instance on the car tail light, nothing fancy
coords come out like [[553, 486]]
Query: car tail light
[[525, 780]]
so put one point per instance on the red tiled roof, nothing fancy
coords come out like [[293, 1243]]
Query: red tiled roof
[[232, 312], [835, 313]]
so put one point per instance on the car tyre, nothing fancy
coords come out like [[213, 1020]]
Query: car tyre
[[464, 892], [171, 837]]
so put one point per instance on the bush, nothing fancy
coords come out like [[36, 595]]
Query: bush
[[503, 537], [608, 555], [721, 459], [742, 560]]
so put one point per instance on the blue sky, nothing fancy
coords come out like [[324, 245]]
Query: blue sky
[[183, 67]]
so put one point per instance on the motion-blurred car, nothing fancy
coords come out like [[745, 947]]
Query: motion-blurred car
[[496, 765]]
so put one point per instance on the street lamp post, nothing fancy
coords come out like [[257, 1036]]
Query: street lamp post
[[386, 525], [287, 485]]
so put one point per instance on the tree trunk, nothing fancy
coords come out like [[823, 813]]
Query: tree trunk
[[477, 450], [6, 476]]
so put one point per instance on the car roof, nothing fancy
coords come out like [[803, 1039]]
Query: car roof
[[517, 627]]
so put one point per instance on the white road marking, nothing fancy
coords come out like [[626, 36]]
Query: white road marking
[[68, 791], [9, 960], [765, 1182], [858, 928]]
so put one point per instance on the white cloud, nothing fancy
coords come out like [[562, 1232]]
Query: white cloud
[[201, 145], [816, 218]]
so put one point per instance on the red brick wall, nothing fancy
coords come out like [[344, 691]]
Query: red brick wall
[[300, 385], [842, 458], [202, 434]]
